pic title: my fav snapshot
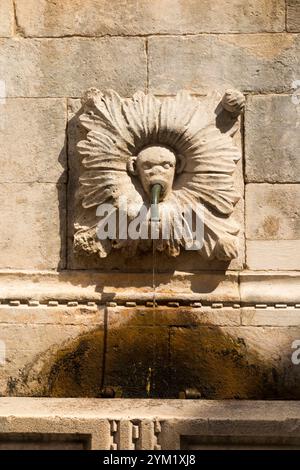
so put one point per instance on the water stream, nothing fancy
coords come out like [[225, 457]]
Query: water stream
[[155, 227], [156, 191]]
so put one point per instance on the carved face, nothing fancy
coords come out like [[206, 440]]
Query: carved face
[[156, 164]]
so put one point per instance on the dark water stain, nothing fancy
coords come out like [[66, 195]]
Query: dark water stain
[[155, 361]]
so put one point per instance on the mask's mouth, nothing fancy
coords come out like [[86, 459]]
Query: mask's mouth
[[156, 191], [159, 181]]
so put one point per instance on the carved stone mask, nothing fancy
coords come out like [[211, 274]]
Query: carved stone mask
[[156, 164]]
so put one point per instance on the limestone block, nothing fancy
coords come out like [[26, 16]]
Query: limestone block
[[42, 340], [35, 339], [35, 67], [35, 358], [99, 17], [273, 254], [256, 62], [272, 211], [168, 316], [44, 314], [32, 225], [293, 15], [6, 18], [271, 316], [272, 138], [32, 140]]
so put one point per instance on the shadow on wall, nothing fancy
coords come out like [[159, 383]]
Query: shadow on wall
[[143, 358]]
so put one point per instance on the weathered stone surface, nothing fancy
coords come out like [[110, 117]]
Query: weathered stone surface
[[257, 62], [273, 254], [166, 350], [293, 15], [272, 138], [38, 67], [32, 225], [235, 361], [32, 140], [272, 211], [71, 346], [37, 353], [145, 352], [271, 316], [96, 18], [6, 18]]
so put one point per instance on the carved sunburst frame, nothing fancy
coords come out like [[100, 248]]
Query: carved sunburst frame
[[200, 130]]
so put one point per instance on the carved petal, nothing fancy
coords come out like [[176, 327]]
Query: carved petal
[[141, 113], [174, 118]]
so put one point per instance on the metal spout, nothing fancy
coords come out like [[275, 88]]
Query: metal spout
[[155, 197]]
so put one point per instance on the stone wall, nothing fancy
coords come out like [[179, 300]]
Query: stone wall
[[60, 336]]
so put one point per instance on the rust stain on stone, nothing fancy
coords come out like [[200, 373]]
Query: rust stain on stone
[[271, 226]]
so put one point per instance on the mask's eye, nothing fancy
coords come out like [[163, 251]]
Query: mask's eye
[[167, 166], [147, 166]]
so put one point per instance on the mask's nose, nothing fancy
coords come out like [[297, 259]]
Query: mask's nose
[[155, 171]]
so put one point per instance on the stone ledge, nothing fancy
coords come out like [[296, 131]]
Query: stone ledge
[[269, 287], [83, 288], [86, 286], [151, 424]]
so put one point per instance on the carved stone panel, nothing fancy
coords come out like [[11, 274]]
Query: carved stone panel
[[181, 144]]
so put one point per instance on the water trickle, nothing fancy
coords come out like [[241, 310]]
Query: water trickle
[[154, 271], [156, 191], [155, 228]]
